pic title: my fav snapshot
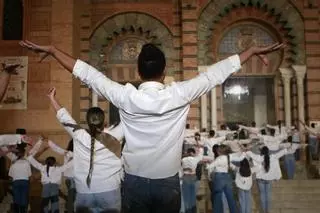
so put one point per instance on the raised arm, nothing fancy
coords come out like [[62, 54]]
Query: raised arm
[[219, 72], [86, 73], [254, 157], [63, 115], [7, 140], [66, 166], [35, 163], [57, 148], [63, 58]]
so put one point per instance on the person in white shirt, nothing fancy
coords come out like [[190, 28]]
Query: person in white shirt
[[224, 131], [314, 136], [154, 118], [211, 141], [289, 158], [68, 174], [51, 175], [269, 171], [253, 130], [14, 139], [189, 165], [272, 141], [244, 183], [222, 181], [280, 129], [97, 163], [20, 171]]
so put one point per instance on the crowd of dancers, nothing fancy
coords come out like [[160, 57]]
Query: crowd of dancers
[[235, 158], [141, 175]]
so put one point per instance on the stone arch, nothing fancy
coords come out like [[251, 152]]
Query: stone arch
[[280, 15], [131, 24]]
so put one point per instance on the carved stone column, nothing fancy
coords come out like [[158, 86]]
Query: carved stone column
[[300, 72], [213, 109], [286, 74], [94, 99], [204, 104]]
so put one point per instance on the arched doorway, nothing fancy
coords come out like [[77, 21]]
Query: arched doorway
[[116, 43], [233, 26]]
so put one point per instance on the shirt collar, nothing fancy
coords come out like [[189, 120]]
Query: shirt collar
[[151, 85]]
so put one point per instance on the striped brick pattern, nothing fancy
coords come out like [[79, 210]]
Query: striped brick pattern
[[189, 52], [311, 13]]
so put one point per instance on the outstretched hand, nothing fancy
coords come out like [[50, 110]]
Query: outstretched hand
[[52, 93], [262, 52], [44, 51]]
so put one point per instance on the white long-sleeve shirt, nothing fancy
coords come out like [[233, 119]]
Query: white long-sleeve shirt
[[221, 163], [20, 170], [154, 115], [272, 142], [235, 145], [191, 162], [7, 140], [106, 166], [67, 156], [283, 131], [253, 131], [245, 183], [274, 172], [210, 142], [55, 172]]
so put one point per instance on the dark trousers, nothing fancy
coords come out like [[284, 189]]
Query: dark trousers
[[144, 195], [71, 195], [20, 190]]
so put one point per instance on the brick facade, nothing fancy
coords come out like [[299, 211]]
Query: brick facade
[[188, 31]]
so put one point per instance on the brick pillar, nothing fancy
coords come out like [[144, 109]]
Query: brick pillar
[[189, 52], [311, 13]]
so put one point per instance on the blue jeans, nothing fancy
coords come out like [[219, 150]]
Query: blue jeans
[[50, 194], [265, 189], [245, 200], [71, 195], [189, 193], [144, 195], [99, 202], [222, 183], [289, 161], [20, 192], [313, 146]]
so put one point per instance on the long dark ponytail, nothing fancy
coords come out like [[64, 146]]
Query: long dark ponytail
[[265, 153], [244, 169], [95, 120], [50, 161]]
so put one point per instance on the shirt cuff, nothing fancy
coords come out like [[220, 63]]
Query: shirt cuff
[[79, 68], [236, 63]]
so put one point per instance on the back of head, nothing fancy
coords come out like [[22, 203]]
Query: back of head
[[21, 132], [272, 132], [95, 120], [313, 125], [265, 153], [20, 152], [191, 151], [253, 124], [215, 150], [289, 139], [212, 133], [244, 169], [223, 127], [187, 126], [151, 62], [263, 132]]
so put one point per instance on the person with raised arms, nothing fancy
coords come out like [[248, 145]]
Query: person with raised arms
[[154, 118]]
